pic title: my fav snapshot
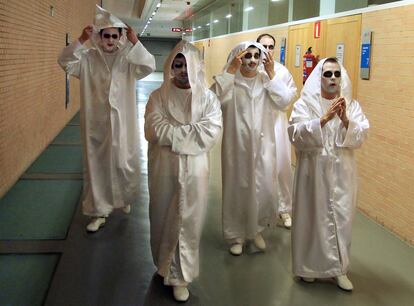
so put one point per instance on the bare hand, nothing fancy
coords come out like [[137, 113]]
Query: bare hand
[[269, 65], [342, 113], [236, 62], [86, 34], [131, 35], [332, 110]]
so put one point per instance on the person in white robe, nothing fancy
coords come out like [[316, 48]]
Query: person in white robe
[[182, 123], [108, 72], [283, 146], [325, 127], [251, 100]]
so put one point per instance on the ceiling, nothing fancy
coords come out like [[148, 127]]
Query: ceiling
[[171, 14]]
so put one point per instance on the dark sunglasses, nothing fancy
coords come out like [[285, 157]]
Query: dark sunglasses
[[180, 65], [270, 47], [114, 36], [249, 55], [328, 74]]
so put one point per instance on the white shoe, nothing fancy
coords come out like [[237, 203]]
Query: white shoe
[[126, 209], [344, 283], [259, 242], [286, 220], [95, 224], [181, 293], [236, 249], [308, 279]]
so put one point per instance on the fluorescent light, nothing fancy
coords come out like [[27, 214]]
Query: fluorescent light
[[215, 21], [275, 0], [229, 16], [249, 8], [150, 18], [199, 27], [207, 24], [153, 13], [194, 29], [159, 4]]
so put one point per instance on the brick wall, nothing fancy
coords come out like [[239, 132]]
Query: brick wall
[[386, 166], [32, 85]]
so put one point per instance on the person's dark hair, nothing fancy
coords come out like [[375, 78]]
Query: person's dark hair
[[266, 35], [253, 46], [119, 31], [179, 55], [331, 60]]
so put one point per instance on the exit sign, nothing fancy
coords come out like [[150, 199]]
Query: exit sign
[[176, 29], [188, 30]]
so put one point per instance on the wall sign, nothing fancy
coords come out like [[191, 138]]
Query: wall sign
[[317, 29], [282, 50], [340, 52], [365, 54], [298, 55]]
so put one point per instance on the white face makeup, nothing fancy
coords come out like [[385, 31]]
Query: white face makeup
[[250, 60], [268, 44], [110, 38], [179, 71], [331, 78]]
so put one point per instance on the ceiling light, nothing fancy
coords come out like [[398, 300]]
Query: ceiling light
[[207, 24], [150, 18], [275, 0], [215, 21], [153, 13], [199, 27], [228, 16], [249, 8], [159, 4]]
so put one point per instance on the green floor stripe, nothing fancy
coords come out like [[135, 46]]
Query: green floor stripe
[[25, 279], [75, 119], [58, 159], [69, 135], [40, 209]]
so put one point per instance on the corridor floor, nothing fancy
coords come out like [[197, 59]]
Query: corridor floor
[[113, 267]]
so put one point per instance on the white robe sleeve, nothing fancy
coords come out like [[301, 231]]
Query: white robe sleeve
[[189, 139], [69, 58], [278, 93], [288, 88], [142, 60], [304, 133], [357, 131], [223, 87], [157, 127]]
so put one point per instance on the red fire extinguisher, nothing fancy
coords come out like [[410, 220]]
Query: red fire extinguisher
[[309, 63]]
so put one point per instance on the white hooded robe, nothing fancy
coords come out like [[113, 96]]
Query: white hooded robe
[[249, 163], [108, 116], [325, 187], [180, 135]]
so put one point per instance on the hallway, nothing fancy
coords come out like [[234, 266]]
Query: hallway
[[114, 266]]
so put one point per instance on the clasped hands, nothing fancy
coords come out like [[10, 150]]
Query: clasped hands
[[338, 107]]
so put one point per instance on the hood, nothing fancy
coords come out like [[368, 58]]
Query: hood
[[195, 70], [104, 19], [311, 92]]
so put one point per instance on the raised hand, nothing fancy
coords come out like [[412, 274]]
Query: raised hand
[[332, 110], [269, 65], [236, 62], [342, 113], [86, 34], [131, 35]]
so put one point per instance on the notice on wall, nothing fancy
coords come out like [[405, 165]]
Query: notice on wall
[[298, 55], [282, 50], [340, 52], [365, 54]]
